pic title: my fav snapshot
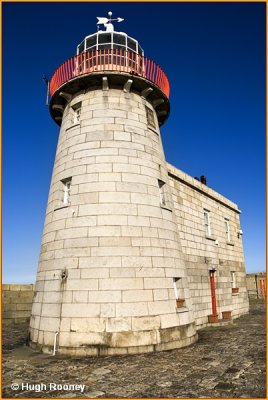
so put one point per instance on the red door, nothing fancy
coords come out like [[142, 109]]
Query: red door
[[263, 288], [213, 292]]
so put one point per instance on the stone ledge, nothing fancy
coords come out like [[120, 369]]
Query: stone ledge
[[221, 322], [182, 310], [73, 126]]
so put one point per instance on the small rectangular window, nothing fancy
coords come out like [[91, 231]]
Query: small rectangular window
[[233, 279], [207, 222], [76, 112], [66, 191], [150, 117], [178, 290], [227, 230], [163, 200], [164, 196], [176, 285]]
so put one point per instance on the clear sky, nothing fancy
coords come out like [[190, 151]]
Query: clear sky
[[214, 57]]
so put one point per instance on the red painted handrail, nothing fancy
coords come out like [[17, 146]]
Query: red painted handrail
[[109, 60]]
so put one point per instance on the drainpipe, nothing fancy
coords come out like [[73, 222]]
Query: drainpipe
[[63, 276], [256, 283], [55, 342]]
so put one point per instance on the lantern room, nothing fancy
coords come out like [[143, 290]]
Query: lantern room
[[109, 40], [109, 59]]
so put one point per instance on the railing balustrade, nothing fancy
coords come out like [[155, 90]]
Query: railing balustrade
[[109, 60]]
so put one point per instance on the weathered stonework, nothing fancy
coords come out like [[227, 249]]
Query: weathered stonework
[[203, 253], [227, 362], [120, 248], [17, 302]]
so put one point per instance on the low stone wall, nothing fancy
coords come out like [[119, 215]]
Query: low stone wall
[[17, 302]]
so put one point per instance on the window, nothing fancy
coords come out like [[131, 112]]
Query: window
[[207, 222], [161, 185], [76, 112], [131, 44], [64, 194], [150, 117], [176, 284], [233, 279], [227, 230], [81, 47], [104, 38], [66, 191], [119, 39], [164, 195], [91, 41], [178, 290]]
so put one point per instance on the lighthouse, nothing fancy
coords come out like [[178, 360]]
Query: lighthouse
[[111, 277]]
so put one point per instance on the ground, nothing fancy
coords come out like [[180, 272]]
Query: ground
[[226, 362]]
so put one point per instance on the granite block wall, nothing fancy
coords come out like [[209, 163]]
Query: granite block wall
[[219, 251], [17, 302], [117, 243]]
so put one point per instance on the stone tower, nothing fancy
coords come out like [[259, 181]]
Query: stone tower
[[111, 270]]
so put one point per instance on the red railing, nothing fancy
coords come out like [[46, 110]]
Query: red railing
[[109, 60]]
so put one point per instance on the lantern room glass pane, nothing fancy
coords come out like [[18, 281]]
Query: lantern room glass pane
[[104, 46], [104, 38], [81, 47], [91, 41], [131, 44], [116, 46], [119, 39]]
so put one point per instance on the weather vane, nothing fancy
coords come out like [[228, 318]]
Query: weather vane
[[107, 22]]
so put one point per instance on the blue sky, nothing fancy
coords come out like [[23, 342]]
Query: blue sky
[[214, 57]]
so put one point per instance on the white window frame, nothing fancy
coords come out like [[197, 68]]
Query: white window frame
[[227, 229], [233, 279], [176, 289], [162, 194], [76, 109], [66, 191], [111, 43], [207, 222], [77, 114]]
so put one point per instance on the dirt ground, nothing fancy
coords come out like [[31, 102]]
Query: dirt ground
[[226, 362]]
